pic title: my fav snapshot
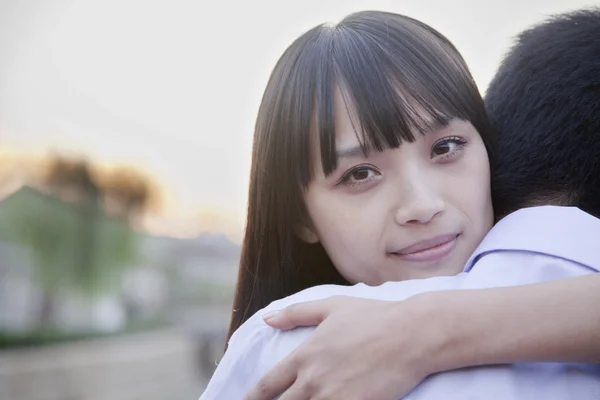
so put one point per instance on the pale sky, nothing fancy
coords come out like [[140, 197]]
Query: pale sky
[[174, 85]]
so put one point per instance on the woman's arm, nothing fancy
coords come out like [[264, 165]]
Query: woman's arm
[[393, 346], [553, 321]]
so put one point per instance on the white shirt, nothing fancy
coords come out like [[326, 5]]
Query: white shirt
[[531, 245]]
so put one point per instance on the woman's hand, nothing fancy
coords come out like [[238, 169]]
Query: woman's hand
[[362, 349], [369, 349]]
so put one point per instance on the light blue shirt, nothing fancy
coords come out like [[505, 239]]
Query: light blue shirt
[[532, 245]]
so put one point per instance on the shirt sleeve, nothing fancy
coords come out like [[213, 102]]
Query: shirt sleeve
[[239, 369]]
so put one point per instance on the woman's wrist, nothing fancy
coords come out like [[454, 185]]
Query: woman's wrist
[[434, 319], [461, 329], [445, 329]]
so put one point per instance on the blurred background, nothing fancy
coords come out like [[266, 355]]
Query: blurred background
[[125, 134]]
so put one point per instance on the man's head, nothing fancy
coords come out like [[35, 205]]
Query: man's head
[[544, 104]]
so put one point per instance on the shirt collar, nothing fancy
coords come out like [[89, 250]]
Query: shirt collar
[[565, 232]]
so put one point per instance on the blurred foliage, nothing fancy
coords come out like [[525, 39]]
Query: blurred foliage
[[52, 230], [76, 244]]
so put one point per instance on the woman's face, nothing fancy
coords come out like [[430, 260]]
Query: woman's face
[[413, 212]]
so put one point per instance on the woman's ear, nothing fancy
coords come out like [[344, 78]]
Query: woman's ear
[[306, 234]]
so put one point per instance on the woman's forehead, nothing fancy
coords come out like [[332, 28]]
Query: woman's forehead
[[349, 129]]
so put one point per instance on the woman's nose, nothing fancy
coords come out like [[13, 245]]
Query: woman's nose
[[420, 202]]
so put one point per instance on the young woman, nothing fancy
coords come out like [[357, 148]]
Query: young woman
[[370, 164], [376, 86]]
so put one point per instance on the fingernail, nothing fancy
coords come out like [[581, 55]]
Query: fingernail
[[270, 315]]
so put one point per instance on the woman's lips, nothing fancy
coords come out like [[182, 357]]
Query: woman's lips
[[429, 250]]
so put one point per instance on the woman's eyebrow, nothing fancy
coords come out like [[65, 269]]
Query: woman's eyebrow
[[439, 125], [355, 151]]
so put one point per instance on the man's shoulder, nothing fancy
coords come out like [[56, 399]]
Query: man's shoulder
[[566, 233], [255, 334], [256, 326], [389, 291]]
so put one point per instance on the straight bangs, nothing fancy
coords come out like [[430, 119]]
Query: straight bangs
[[398, 78]]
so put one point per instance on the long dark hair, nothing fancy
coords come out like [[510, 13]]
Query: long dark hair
[[399, 76]]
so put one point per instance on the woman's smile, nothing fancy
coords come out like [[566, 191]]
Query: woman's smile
[[431, 250]]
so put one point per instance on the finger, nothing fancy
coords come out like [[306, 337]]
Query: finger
[[309, 313], [296, 392], [275, 382]]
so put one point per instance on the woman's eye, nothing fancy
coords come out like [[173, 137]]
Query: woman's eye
[[359, 175], [447, 147]]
